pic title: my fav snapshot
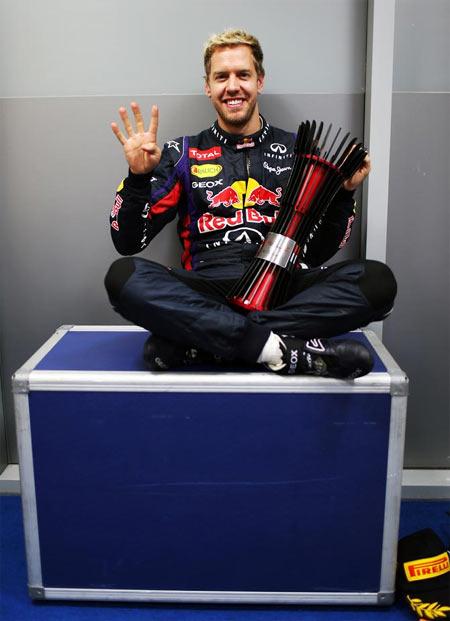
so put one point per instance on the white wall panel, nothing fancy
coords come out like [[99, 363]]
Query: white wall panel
[[108, 47], [422, 46], [418, 240]]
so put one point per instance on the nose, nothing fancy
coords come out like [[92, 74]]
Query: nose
[[232, 84]]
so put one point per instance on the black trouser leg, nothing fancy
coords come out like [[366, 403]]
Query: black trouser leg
[[330, 301], [182, 307], [192, 310]]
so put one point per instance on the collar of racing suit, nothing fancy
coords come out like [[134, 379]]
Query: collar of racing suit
[[240, 141]]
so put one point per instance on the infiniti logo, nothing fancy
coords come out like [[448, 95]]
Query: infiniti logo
[[276, 147]]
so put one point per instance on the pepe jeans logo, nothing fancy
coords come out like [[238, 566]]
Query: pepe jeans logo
[[278, 170]]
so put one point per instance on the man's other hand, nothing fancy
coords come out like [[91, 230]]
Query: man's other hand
[[140, 148], [359, 176]]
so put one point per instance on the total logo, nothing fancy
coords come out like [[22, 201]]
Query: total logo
[[206, 170], [242, 194], [205, 155]]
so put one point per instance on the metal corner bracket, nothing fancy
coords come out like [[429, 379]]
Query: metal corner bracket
[[399, 385], [36, 592], [386, 598], [21, 382]]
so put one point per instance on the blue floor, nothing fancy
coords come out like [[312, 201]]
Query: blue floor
[[15, 604]]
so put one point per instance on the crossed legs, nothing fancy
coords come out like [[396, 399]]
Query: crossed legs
[[190, 309]]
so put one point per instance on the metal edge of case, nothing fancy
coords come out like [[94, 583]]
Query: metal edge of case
[[28, 491], [21, 388], [21, 378], [399, 380], [221, 381], [393, 492], [399, 395], [112, 328], [217, 597], [145, 381]]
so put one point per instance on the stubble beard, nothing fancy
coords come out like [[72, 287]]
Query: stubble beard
[[233, 120]]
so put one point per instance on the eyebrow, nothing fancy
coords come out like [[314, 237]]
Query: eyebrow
[[225, 72]]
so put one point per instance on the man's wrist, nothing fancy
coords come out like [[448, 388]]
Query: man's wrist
[[138, 181], [344, 193]]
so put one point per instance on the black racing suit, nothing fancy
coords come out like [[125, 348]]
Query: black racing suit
[[226, 192]]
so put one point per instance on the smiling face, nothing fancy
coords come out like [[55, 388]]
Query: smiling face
[[233, 86]]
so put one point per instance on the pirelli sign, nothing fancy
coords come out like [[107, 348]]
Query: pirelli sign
[[426, 568]]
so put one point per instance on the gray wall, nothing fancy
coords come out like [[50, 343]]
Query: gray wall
[[418, 225], [67, 69]]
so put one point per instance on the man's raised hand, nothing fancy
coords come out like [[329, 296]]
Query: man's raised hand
[[140, 147], [359, 175]]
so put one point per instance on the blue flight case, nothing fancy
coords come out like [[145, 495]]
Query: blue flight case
[[207, 485]]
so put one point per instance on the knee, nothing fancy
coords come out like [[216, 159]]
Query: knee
[[117, 275], [378, 285]]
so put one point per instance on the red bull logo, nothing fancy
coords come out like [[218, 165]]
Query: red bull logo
[[209, 222], [242, 194], [262, 195], [226, 197]]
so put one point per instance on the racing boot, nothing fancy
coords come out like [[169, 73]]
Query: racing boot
[[161, 355], [343, 359]]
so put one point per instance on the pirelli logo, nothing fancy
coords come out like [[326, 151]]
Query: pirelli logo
[[427, 567]]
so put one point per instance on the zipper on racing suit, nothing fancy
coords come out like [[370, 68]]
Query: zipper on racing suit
[[247, 168]]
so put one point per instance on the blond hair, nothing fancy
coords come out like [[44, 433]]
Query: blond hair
[[232, 37]]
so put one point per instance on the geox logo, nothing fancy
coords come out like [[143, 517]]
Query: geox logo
[[427, 567], [293, 361]]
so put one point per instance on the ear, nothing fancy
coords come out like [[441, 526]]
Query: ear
[[260, 83], [207, 88]]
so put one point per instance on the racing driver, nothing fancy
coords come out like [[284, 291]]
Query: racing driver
[[224, 186]]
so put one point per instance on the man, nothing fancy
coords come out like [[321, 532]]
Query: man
[[225, 186]]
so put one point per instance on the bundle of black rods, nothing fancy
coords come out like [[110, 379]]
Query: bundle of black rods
[[317, 175]]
